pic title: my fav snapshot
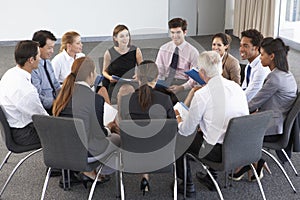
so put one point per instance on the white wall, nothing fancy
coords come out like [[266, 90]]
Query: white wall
[[91, 18], [211, 18], [187, 10]]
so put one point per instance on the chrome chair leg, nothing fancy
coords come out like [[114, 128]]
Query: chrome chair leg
[[289, 160], [46, 183], [16, 167], [117, 174], [175, 181], [214, 181], [121, 177], [184, 176], [258, 182], [97, 176], [282, 169], [95, 182], [5, 159]]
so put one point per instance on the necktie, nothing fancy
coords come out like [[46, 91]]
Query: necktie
[[49, 79], [248, 74], [173, 66]]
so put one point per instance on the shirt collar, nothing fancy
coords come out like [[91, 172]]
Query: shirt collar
[[25, 73], [67, 56], [181, 46], [254, 62], [84, 84]]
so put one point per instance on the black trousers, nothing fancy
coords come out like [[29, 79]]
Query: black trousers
[[25, 136], [214, 155]]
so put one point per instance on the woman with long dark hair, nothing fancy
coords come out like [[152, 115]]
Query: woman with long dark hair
[[142, 104]]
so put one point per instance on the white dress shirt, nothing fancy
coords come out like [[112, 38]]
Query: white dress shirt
[[188, 56], [256, 79], [62, 64], [212, 107], [19, 98]]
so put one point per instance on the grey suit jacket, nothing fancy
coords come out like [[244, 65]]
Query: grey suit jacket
[[278, 93], [231, 68], [89, 107]]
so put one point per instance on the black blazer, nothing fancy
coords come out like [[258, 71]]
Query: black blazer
[[89, 106]]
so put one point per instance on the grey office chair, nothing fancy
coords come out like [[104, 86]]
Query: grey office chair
[[242, 146], [14, 148], [283, 139], [148, 146], [64, 143]]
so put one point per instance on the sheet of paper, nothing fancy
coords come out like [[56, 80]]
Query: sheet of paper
[[109, 113], [182, 109]]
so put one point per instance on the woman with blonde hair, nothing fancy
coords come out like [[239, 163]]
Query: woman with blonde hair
[[70, 49], [77, 99]]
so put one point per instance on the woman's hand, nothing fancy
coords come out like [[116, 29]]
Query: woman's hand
[[112, 80], [113, 127]]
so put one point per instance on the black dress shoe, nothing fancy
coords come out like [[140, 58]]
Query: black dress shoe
[[190, 189], [55, 172], [206, 181]]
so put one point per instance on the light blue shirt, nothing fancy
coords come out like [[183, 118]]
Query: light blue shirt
[[40, 80]]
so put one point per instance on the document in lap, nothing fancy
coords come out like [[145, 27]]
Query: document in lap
[[161, 84], [122, 79], [98, 80], [182, 109], [109, 113], [193, 73]]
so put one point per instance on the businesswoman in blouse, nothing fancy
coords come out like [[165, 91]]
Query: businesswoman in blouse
[[77, 99], [230, 65]]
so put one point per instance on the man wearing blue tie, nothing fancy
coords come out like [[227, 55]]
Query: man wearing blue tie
[[43, 78], [255, 73]]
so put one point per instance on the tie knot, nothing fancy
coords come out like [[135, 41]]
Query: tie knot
[[45, 63], [176, 50]]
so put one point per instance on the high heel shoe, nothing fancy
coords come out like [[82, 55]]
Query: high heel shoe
[[240, 174], [84, 179], [145, 186], [261, 164]]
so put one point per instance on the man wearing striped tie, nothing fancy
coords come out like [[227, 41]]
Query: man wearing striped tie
[[255, 73]]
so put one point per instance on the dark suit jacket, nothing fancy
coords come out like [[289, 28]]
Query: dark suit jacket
[[161, 107], [89, 106], [278, 93]]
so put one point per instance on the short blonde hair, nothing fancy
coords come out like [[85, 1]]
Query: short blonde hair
[[210, 62]]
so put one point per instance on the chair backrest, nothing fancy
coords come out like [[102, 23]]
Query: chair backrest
[[242, 72], [148, 145], [100, 61], [64, 142], [244, 139], [7, 137], [289, 121]]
